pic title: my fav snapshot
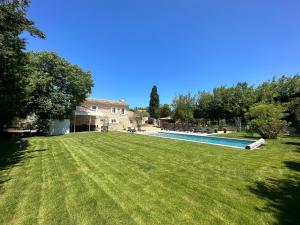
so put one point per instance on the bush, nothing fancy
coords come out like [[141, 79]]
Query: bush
[[150, 120], [266, 119], [43, 126]]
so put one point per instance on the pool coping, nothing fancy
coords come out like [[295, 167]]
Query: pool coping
[[200, 135], [149, 132]]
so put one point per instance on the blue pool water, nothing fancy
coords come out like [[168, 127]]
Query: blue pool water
[[238, 143]]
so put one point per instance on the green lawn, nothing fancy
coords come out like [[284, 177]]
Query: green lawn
[[118, 178]]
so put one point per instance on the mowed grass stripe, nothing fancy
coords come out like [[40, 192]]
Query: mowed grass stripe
[[108, 182], [135, 186], [235, 204], [52, 209], [204, 194], [190, 200], [17, 191], [29, 203], [105, 205], [117, 178], [123, 145]]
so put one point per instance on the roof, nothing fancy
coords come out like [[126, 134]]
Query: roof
[[106, 102]]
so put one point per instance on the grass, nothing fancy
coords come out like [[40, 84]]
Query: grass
[[117, 178]]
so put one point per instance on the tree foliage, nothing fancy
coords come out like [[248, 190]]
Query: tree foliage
[[294, 113], [154, 103], [164, 111], [184, 107], [267, 119], [231, 103], [58, 85], [13, 60]]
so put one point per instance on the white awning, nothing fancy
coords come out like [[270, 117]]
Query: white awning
[[80, 111]]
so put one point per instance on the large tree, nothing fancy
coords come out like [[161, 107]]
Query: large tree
[[184, 107], [266, 119], [154, 103], [164, 111], [13, 60], [204, 105], [58, 86]]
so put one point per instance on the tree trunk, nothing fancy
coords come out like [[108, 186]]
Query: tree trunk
[[238, 123]]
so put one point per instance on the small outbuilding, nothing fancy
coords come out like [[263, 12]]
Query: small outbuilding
[[59, 127]]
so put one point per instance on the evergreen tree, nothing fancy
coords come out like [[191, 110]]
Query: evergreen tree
[[154, 103]]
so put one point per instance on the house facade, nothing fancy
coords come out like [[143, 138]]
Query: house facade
[[100, 114]]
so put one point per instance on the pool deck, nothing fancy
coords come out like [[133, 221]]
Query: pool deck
[[182, 132]]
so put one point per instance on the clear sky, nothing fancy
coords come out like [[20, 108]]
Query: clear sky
[[179, 45]]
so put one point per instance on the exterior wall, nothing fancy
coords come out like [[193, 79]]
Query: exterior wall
[[122, 121], [59, 127], [117, 121]]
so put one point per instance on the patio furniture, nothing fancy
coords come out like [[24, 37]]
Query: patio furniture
[[130, 130]]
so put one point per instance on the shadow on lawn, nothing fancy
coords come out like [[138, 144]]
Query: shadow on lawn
[[12, 153], [282, 195], [295, 144]]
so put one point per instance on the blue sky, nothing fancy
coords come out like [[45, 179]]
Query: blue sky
[[179, 45]]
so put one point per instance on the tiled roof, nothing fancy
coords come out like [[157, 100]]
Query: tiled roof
[[106, 102]]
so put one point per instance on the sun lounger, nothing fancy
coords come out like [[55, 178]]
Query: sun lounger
[[130, 130]]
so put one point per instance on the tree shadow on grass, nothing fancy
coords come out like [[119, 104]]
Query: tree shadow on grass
[[293, 166], [282, 196], [295, 144], [292, 143], [12, 153]]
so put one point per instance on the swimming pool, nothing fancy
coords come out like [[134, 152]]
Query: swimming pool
[[231, 142]]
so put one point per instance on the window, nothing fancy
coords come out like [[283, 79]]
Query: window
[[113, 110], [113, 121], [123, 111], [94, 107]]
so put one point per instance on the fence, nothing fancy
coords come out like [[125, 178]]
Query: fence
[[208, 125]]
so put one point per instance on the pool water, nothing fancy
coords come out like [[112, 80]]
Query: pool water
[[231, 142]]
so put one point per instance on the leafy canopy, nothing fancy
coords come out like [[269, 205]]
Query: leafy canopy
[[164, 111], [184, 107], [267, 119], [58, 85], [14, 74]]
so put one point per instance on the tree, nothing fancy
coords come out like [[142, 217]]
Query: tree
[[184, 107], [288, 87], [294, 113], [266, 119], [279, 90], [204, 104], [267, 92], [221, 102], [154, 103], [164, 110], [13, 60], [241, 98], [58, 86]]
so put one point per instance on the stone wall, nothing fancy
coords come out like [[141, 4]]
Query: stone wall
[[117, 121]]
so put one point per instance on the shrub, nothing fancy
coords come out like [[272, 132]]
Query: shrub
[[266, 119], [150, 120]]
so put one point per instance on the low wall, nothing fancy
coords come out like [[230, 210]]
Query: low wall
[[59, 127]]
